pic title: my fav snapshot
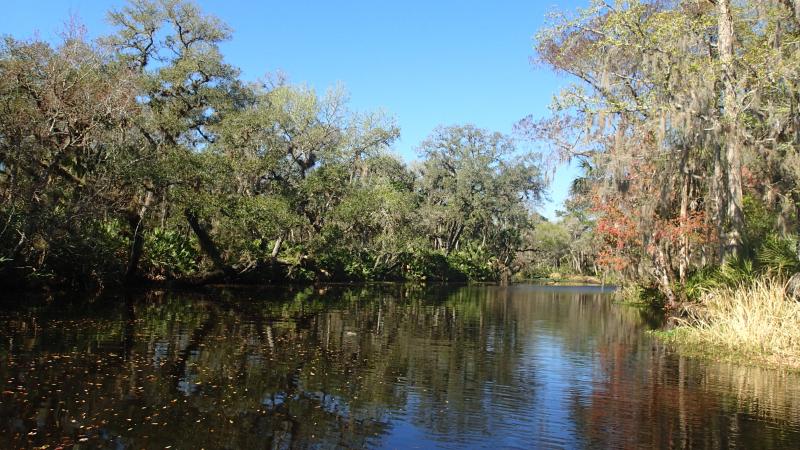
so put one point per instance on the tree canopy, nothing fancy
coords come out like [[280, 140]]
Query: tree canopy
[[684, 114], [144, 156]]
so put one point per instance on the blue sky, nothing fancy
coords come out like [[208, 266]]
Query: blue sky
[[425, 62]]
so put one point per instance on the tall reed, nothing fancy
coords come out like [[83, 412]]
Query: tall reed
[[752, 320]]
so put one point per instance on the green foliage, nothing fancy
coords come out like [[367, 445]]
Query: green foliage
[[759, 223], [733, 272], [86, 255], [429, 265], [474, 262], [639, 296], [565, 246], [777, 256], [774, 257], [91, 255], [170, 253], [476, 186], [681, 171], [196, 172], [699, 282]]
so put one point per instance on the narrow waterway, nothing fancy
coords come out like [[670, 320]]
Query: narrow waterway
[[392, 366]]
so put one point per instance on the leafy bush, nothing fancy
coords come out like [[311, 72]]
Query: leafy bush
[[759, 224], [474, 263], [429, 265], [634, 294], [83, 255], [775, 256], [337, 264], [169, 253]]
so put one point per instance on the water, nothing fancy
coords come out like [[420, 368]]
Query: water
[[388, 366]]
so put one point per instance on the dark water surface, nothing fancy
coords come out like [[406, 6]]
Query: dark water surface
[[381, 366]]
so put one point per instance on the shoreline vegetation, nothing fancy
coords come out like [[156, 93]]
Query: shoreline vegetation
[[144, 158], [683, 118], [568, 280], [745, 311], [753, 323]]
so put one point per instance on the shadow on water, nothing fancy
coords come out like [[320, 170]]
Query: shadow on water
[[370, 366]]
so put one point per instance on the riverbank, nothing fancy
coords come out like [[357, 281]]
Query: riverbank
[[572, 280], [750, 324]]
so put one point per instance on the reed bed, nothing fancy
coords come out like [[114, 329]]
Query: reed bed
[[752, 322]]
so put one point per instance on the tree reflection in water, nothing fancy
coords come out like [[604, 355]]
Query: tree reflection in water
[[383, 365]]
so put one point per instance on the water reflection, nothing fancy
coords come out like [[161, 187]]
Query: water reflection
[[381, 366]]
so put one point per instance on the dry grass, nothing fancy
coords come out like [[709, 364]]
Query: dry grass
[[754, 323]]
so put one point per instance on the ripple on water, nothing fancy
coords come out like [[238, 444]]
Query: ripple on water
[[384, 366]]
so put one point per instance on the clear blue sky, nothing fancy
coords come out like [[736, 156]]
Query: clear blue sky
[[425, 62]]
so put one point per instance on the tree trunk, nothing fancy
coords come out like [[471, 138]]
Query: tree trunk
[[662, 276], [718, 203], [683, 253], [734, 215], [276, 249], [206, 243], [135, 221], [453, 238], [505, 276]]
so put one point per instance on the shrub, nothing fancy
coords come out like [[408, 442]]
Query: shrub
[[474, 263], [429, 265], [88, 254], [169, 253], [775, 256]]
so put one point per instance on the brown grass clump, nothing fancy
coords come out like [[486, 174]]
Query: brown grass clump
[[752, 323]]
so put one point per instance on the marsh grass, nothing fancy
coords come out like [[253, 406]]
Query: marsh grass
[[753, 323]]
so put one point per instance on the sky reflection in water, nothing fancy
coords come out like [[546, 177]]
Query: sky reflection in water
[[391, 366]]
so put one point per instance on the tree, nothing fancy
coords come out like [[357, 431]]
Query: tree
[[185, 87], [64, 110], [476, 186], [144, 157], [725, 46], [671, 99]]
